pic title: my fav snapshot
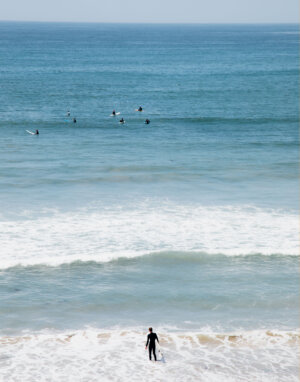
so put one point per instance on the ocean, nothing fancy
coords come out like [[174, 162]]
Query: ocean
[[188, 224]]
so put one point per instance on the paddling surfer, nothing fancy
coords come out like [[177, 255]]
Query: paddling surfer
[[151, 342]]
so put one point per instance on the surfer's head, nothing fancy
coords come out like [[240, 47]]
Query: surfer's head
[[150, 330]]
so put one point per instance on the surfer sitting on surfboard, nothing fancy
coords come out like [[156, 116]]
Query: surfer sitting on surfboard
[[151, 341], [147, 121], [140, 108], [122, 120], [36, 132], [113, 112]]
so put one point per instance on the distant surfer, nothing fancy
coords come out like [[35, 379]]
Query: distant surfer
[[32, 133], [151, 342], [147, 121], [113, 112], [140, 108], [122, 120], [74, 120], [68, 113]]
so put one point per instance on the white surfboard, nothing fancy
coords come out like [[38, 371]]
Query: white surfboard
[[139, 110], [30, 132], [113, 115], [162, 358]]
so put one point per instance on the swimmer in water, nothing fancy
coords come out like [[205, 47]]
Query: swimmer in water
[[36, 132], [140, 108], [122, 120], [74, 120], [147, 121]]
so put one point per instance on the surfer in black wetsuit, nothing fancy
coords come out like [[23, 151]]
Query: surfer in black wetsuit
[[140, 108], [74, 120], [113, 112], [36, 132], [147, 121], [122, 120], [151, 341]]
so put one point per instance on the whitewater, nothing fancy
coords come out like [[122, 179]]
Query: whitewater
[[103, 234]]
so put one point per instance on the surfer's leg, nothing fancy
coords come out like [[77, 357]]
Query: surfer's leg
[[154, 352], [150, 349]]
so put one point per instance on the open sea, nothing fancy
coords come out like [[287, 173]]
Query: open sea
[[188, 224]]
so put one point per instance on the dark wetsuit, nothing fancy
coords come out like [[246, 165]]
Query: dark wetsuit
[[151, 341]]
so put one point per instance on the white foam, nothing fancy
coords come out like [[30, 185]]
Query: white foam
[[119, 355], [103, 234]]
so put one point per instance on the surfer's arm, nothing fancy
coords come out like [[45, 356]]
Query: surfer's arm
[[156, 338], [147, 340]]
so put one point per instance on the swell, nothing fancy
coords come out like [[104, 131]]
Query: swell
[[155, 259], [52, 121], [229, 120]]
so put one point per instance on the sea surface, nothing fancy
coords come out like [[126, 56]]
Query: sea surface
[[188, 224]]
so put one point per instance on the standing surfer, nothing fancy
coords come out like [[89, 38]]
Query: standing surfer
[[151, 341]]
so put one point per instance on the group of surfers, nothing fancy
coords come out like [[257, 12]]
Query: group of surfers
[[114, 114], [140, 109]]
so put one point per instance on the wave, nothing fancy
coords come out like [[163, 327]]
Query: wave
[[118, 355], [103, 234], [228, 120], [51, 121], [155, 258]]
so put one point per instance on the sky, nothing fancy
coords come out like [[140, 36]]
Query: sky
[[152, 11]]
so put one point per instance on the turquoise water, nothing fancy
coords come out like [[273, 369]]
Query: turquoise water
[[200, 290], [188, 224]]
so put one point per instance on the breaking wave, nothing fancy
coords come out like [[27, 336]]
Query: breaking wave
[[105, 234]]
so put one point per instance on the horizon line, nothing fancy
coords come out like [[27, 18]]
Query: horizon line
[[155, 23]]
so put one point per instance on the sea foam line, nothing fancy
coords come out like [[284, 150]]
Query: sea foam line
[[119, 355], [103, 234]]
